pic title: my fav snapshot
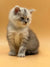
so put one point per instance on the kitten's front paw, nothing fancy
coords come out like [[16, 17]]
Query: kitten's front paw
[[21, 55], [12, 53]]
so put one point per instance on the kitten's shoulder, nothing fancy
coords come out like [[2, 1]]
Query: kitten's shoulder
[[33, 36], [31, 31]]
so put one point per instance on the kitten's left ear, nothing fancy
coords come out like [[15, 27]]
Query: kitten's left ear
[[32, 10], [16, 10]]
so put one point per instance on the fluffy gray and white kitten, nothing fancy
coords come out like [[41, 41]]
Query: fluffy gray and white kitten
[[20, 37]]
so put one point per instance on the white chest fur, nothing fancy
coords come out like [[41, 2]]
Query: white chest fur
[[18, 35]]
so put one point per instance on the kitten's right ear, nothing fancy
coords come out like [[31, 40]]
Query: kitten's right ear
[[16, 9], [32, 10]]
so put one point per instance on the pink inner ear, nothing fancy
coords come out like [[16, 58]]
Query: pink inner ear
[[16, 10]]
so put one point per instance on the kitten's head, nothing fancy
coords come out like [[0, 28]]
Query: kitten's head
[[20, 17]]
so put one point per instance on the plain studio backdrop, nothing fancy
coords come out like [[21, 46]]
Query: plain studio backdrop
[[40, 25]]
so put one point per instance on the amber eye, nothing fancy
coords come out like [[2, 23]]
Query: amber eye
[[22, 18], [28, 19]]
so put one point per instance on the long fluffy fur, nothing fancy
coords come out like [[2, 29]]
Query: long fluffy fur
[[20, 38]]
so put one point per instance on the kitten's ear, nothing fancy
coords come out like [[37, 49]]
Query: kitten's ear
[[16, 9], [32, 10]]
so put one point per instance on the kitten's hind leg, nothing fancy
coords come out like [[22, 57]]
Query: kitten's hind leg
[[35, 51], [31, 52]]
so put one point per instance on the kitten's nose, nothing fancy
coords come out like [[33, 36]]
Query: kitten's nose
[[25, 22]]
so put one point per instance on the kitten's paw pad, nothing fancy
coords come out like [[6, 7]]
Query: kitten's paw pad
[[21, 55], [12, 53]]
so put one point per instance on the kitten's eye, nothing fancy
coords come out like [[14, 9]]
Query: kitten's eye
[[22, 18], [27, 18]]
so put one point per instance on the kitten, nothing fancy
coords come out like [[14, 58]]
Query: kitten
[[20, 37]]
